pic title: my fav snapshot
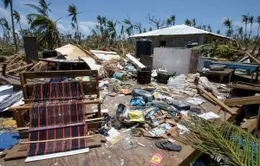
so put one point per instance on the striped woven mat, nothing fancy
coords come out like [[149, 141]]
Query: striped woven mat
[[57, 120]]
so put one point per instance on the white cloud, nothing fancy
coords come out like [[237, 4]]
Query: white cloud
[[4, 13], [62, 28], [239, 23], [86, 26]]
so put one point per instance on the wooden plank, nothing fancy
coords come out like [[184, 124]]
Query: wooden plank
[[60, 73], [17, 152], [28, 106], [20, 68], [13, 59], [135, 61], [219, 102], [53, 140], [86, 120], [20, 151], [194, 61], [89, 88], [249, 124], [252, 57], [245, 87], [243, 101]]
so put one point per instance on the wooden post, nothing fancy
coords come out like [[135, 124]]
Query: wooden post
[[219, 102], [257, 128], [4, 69]]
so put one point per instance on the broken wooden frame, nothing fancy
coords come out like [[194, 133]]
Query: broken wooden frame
[[89, 87]]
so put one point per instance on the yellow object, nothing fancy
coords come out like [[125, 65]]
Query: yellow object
[[136, 116], [9, 123]]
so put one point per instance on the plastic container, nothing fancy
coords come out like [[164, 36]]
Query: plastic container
[[147, 96], [179, 105], [163, 77], [144, 76]]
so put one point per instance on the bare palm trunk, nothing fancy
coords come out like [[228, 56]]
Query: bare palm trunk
[[77, 33], [12, 18], [250, 33], [245, 30], [21, 28], [258, 29]]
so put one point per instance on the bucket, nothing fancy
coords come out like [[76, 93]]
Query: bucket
[[110, 88], [144, 76], [163, 77]]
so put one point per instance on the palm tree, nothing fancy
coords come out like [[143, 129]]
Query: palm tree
[[138, 27], [111, 27], [240, 32], [209, 28], [48, 30], [42, 9], [250, 21], [204, 27], [257, 20], [72, 9], [222, 140], [245, 20], [6, 4], [6, 29], [171, 20], [193, 22], [45, 26], [129, 26], [228, 23], [17, 17], [187, 22]]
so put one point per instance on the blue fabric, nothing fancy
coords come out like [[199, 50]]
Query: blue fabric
[[137, 101], [8, 140]]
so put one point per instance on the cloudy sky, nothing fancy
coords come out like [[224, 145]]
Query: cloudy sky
[[205, 11]]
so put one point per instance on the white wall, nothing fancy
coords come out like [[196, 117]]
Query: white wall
[[173, 59]]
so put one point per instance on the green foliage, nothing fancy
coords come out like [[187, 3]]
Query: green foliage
[[221, 51], [223, 140]]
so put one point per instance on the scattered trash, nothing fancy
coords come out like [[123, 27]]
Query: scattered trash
[[167, 145], [161, 129], [209, 116], [137, 101], [136, 116], [129, 142], [157, 159]]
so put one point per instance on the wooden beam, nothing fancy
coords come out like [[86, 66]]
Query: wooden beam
[[60, 73], [86, 120], [28, 106], [219, 102], [243, 101], [53, 140], [20, 68], [252, 57], [245, 87], [4, 69]]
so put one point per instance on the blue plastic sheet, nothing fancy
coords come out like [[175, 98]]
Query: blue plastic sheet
[[8, 140], [137, 101]]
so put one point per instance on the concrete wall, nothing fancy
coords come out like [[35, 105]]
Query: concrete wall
[[181, 41], [173, 59], [176, 41]]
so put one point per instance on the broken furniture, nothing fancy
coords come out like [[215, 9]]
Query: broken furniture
[[236, 65], [90, 88], [245, 86], [225, 73], [57, 115], [65, 64]]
